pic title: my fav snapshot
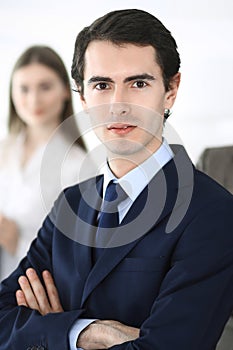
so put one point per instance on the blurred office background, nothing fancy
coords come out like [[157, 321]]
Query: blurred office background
[[203, 29]]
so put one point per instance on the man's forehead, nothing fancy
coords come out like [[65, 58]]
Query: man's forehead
[[106, 59]]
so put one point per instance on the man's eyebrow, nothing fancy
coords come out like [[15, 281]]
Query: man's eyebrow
[[96, 79], [143, 76]]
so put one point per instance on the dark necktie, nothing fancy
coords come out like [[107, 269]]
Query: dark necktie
[[108, 217]]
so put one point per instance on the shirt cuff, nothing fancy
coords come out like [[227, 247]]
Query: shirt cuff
[[76, 329]]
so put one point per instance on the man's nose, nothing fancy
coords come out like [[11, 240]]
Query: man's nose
[[119, 109], [120, 105]]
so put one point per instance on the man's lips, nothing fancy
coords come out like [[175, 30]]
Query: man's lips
[[121, 128]]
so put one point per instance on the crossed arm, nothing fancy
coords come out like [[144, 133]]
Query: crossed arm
[[100, 334]]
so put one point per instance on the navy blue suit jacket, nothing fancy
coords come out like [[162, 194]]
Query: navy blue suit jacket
[[172, 277]]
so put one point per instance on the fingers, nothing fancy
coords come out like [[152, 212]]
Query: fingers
[[20, 298], [35, 295], [38, 291], [52, 292], [28, 293], [34, 292]]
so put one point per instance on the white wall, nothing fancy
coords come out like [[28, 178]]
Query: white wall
[[203, 30]]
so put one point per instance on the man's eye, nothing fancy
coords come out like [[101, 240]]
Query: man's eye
[[140, 84], [101, 86]]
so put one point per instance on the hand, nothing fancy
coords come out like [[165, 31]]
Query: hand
[[8, 234], [35, 296], [106, 333]]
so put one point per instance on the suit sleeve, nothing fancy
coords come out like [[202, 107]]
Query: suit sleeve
[[21, 327], [195, 298]]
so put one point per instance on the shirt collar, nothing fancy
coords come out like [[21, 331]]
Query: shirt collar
[[137, 179]]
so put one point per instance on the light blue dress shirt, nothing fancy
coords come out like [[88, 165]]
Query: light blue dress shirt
[[133, 183]]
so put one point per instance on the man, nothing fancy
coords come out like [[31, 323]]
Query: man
[[161, 277]]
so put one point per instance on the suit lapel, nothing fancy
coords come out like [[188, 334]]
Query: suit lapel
[[85, 226], [154, 204]]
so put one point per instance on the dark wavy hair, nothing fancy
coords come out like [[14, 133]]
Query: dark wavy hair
[[132, 26]]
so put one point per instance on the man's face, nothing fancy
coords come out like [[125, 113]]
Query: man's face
[[125, 96]]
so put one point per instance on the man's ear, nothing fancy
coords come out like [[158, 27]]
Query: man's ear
[[173, 89]]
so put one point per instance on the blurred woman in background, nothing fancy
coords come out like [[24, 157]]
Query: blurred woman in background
[[40, 104]]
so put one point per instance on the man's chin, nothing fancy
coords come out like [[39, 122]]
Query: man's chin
[[123, 147], [134, 153]]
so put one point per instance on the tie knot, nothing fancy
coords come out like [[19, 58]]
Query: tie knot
[[114, 194]]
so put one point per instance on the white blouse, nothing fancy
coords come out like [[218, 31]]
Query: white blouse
[[27, 193]]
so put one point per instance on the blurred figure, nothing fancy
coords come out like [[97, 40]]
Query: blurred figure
[[217, 162], [40, 100]]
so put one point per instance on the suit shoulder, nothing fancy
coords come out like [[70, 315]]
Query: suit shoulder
[[70, 197], [74, 192]]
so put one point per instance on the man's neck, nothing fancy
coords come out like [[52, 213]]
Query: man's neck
[[120, 165]]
